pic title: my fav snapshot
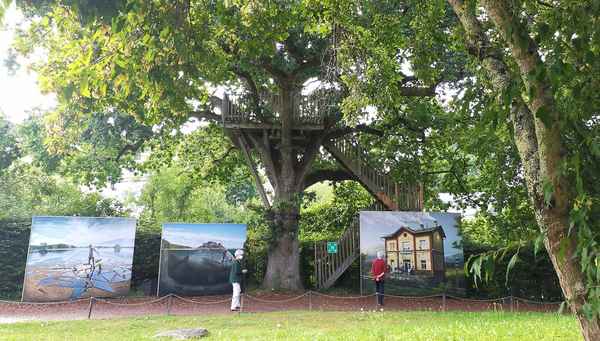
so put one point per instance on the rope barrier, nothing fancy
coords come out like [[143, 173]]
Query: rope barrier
[[189, 300], [535, 302], [414, 297], [341, 297], [45, 303], [132, 304], [316, 293], [477, 300], [276, 301]]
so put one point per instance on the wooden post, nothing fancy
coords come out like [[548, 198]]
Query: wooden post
[[512, 308], [241, 303], [315, 265], [91, 306], [444, 301], [169, 304], [310, 301], [225, 107]]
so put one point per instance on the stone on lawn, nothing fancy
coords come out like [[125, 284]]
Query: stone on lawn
[[183, 334]]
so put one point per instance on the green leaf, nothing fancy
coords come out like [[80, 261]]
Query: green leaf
[[511, 264], [84, 88], [544, 115], [562, 249], [537, 243], [548, 189], [562, 307]]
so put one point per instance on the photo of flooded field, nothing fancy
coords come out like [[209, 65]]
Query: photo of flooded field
[[195, 259], [78, 257]]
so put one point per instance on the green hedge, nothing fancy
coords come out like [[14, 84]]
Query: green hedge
[[533, 277], [14, 241]]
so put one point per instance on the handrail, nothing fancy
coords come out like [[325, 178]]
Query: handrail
[[310, 109], [405, 196]]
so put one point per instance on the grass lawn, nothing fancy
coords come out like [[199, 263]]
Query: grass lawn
[[411, 326]]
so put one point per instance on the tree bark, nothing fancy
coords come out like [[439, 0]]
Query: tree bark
[[538, 140], [281, 162], [283, 264]]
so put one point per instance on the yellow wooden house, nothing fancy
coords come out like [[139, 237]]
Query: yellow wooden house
[[417, 251]]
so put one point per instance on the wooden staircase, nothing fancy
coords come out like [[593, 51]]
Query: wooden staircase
[[390, 195], [393, 195], [330, 266]]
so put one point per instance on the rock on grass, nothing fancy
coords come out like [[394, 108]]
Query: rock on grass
[[183, 334]]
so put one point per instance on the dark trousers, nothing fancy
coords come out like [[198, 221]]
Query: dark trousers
[[379, 291]]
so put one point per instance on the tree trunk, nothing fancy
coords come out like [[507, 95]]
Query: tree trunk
[[283, 265], [568, 268], [539, 143]]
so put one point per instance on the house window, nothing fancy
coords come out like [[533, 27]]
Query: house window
[[422, 245], [404, 235], [392, 245], [423, 264], [405, 246]]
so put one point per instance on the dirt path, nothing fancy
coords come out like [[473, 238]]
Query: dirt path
[[11, 312]]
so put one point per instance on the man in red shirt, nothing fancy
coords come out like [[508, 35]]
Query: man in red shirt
[[378, 273]]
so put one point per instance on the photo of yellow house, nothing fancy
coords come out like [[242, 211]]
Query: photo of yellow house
[[416, 251]]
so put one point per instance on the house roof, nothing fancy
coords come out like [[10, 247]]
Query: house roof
[[415, 231]]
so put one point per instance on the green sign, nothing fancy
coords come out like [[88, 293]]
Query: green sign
[[332, 247]]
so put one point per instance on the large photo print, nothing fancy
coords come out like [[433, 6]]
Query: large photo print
[[422, 252], [78, 257], [195, 259]]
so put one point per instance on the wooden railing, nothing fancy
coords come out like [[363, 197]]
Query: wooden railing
[[330, 266], [396, 196], [312, 109]]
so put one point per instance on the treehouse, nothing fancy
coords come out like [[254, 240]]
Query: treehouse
[[297, 127], [312, 117]]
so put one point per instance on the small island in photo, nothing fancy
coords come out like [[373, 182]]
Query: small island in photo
[[195, 259]]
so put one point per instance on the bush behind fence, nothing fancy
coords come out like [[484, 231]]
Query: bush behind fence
[[533, 277]]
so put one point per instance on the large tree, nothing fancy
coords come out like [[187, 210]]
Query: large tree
[[131, 76], [529, 72], [540, 61]]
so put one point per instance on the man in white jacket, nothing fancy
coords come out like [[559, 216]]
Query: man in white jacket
[[235, 278]]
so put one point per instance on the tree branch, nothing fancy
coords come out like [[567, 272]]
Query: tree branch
[[326, 174], [307, 160], [492, 61], [364, 128], [264, 151], [279, 75], [543, 109], [208, 113], [130, 148], [251, 85]]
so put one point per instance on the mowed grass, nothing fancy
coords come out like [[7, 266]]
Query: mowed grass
[[413, 325]]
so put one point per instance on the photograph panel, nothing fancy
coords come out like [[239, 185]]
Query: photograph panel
[[196, 259], [77, 257], [422, 252]]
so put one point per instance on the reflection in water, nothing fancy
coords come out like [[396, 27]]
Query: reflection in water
[[195, 272]]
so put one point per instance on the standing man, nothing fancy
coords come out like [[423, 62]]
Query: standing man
[[235, 278], [378, 273], [91, 258]]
